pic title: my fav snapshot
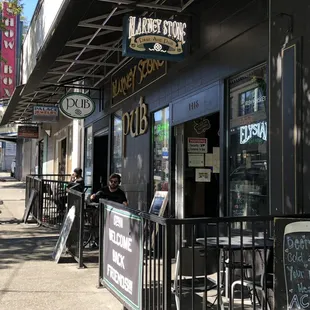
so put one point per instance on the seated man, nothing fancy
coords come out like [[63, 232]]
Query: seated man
[[77, 182], [112, 191]]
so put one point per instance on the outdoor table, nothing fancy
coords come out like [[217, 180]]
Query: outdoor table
[[234, 243]]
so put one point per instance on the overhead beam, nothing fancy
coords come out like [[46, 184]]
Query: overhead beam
[[104, 27], [102, 33], [90, 40], [94, 19], [145, 5], [95, 47], [87, 62], [76, 74]]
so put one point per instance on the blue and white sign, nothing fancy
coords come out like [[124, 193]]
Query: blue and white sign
[[45, 114]]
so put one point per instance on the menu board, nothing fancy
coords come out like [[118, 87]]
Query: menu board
[[292, 264], [64, 234], [123, 256], [33, 195]]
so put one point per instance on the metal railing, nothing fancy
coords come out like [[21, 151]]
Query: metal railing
[[199, 263], [49, 207], [75, 238]]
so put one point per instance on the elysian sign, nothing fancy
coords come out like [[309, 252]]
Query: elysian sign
[[135, 122], [248, 132], [134, 76], [155, 38]]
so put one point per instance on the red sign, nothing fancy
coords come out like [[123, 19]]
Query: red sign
[[28, 132], [8, 52]]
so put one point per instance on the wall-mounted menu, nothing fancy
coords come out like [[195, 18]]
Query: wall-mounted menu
[[292, 264]]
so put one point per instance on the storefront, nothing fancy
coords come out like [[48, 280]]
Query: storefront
[[206, 139], [213, 83]]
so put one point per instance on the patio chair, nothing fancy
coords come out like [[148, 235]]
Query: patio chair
[[183, 274], [258, 282]]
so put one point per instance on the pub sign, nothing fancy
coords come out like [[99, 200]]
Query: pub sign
[[155, 38], [123, 256]]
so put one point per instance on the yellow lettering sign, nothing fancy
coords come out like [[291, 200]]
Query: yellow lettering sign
[[126, 84], [135, 122]]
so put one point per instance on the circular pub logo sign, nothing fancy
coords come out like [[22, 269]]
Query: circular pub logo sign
[[76, 105]]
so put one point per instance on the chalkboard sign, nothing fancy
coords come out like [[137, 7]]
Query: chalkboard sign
[[123, 256], [292, 264], [159, 203], [32, 197], [64, 233]]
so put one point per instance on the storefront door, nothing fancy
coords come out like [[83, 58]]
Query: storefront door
[[100, 168], [41, 152], [62, 149], [197, 165]]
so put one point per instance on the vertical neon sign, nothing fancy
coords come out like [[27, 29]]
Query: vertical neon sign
[[8, 52]]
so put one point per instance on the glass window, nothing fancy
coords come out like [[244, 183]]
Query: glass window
[[89, 157], [160, 132], [248, 144], [116, 164]]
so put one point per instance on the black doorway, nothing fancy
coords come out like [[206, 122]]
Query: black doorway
[[100, 168]]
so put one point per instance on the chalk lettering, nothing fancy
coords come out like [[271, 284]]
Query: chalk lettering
[[295, 257], [299, 303], [295, 274]]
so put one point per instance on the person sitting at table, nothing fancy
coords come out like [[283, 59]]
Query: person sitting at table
[[77, 181], [111, 192]]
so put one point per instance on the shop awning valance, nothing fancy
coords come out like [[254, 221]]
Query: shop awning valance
[[85, 46], [15, 107]]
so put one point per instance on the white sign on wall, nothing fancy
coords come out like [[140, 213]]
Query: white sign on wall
[[10, 149], [76, 105]]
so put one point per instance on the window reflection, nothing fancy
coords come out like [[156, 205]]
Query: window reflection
[[89, 156], [117, 143], [161, 149], [248, 144]]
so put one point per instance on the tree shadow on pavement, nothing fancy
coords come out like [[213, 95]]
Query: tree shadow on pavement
[[12, 186], [18, 250]]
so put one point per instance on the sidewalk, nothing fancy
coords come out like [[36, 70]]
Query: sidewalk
[[29, 278]]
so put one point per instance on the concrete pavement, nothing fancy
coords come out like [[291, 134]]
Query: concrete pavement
[[29, 278]]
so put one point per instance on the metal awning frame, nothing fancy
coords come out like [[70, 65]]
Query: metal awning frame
[[76, 66]]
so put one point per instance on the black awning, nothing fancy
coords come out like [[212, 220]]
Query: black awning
[[84, 45], [11, 108], [8, 139], [60, 32]]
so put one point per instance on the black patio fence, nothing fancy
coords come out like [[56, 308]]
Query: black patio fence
[[49, 206], [75, 239], [150, 262]]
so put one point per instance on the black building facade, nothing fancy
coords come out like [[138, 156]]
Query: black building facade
[[227, 127]]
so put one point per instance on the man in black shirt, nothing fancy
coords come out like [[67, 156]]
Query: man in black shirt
[[76, 181], [112, 191]]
